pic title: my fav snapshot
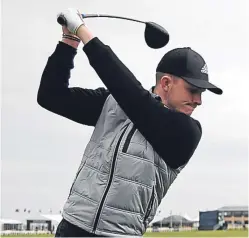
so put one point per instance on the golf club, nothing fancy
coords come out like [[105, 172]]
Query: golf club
[[155, 35]]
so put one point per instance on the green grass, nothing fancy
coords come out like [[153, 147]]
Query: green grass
[[229, 233], [28, 235]]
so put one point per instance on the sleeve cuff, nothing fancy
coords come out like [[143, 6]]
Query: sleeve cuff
[[93, 47], [64, 50]]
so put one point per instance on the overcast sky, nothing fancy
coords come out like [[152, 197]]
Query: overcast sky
[[41, 151]]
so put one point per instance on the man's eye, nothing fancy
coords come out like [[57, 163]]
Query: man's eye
[[193, 91]]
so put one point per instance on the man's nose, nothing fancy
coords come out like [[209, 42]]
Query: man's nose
[[197, 99]]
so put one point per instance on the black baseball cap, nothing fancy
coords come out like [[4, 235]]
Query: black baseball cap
[[188, 65]]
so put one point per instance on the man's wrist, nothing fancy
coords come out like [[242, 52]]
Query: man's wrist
[[84, 34], [70, 42], [71, 37]]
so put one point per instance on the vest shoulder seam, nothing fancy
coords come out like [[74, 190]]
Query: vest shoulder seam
[[132, 181], [137, 157]]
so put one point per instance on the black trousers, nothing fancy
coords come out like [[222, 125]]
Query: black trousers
[[66, 229]]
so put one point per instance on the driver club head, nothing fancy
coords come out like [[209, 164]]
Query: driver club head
[[155, 35]]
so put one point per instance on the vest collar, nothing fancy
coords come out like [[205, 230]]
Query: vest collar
[[157, 97]]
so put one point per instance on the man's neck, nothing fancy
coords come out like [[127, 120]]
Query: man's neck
[[158, 92], [155, 90]]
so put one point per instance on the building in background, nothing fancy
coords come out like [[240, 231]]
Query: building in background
[[235, 216], [228, 217], [30, 223], [209, 220]]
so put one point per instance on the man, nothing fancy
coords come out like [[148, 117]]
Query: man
[[141, 141]]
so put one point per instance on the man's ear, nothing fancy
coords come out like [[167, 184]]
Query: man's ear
[[166, 82]]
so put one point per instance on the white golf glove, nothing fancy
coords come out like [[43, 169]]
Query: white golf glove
[[73, 19]]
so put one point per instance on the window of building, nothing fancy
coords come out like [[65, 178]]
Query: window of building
[[238, 222], [245, 213], [237, 214], [227, 214]]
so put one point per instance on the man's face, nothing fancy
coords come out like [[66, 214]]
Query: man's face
[[183, 97]]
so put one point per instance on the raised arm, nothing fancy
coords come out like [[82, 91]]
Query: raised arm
[[80, 105], [159, 125]]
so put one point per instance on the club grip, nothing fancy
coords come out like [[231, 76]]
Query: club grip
[[62, 20]]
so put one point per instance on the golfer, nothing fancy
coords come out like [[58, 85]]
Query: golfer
[[141, 141]]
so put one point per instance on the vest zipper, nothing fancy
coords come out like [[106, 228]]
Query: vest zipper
[[109, 182], [128, 139]]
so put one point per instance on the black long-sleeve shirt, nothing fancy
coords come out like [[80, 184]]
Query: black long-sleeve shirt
[[173, 135]]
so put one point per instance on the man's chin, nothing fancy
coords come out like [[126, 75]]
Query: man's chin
[[190, 113], [187, 111]]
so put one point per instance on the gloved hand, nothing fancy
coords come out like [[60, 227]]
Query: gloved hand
[[73, 19]]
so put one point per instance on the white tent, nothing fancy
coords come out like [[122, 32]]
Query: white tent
[[188, 217], [10, 221], [196, 219], [56, 217], [191, 219]]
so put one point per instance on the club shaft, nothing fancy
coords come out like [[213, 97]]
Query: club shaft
[[110, 16]]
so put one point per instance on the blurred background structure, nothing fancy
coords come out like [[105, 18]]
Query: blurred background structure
[[224, 218]]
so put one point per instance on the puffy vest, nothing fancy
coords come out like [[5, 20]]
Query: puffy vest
[[121, 179]]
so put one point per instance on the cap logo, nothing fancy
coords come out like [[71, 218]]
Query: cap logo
[[204, 69]]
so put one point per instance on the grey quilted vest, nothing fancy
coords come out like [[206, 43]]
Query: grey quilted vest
[[121, 180]]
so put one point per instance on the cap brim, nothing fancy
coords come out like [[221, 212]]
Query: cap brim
[[204, 84]]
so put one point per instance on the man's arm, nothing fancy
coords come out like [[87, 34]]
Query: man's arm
[[173, 135], [80, 105], [163, 128]]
